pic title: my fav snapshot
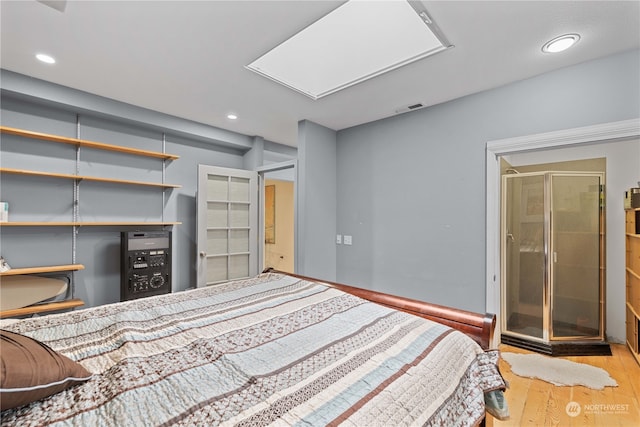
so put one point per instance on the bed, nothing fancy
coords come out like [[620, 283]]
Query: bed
[[277, 349]]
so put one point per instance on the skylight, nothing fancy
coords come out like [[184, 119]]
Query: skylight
[[357, 41]]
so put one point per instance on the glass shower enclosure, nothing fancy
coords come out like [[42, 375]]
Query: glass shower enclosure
[[552, 259]]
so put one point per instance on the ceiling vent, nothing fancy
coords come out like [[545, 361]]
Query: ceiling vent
[[357, 41], [410, 107]]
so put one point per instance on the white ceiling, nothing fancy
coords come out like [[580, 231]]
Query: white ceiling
[[188, 59]]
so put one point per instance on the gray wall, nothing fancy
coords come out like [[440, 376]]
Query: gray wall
[[316, 201], [412, 187], [40, 106]]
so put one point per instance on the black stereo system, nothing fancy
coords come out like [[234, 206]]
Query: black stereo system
[[146, 264]]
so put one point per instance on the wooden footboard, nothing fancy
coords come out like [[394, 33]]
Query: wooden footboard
[[478, 326]]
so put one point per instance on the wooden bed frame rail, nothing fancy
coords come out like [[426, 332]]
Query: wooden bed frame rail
[[478, 326]]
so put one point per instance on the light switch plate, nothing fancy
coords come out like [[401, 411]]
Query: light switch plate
[[339, 239], [348, 240]]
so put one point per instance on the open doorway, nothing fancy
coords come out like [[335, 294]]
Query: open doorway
[[277, 216], [278, 224], [617, 142]]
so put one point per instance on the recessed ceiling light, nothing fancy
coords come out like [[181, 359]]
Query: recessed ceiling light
[[45, 58], [232, 116], [560, 43]]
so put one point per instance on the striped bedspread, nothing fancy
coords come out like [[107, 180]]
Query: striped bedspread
[[272, 350]]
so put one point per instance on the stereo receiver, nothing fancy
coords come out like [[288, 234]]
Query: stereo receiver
[[146, 264]]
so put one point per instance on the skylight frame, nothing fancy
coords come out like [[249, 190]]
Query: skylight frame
[[321, 51]]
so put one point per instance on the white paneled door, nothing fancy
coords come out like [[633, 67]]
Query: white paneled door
[[227, 224]]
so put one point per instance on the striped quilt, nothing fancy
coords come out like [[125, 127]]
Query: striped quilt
[[271, 350]]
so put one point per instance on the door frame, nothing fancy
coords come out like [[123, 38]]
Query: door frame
[[262, 170], [537, 142]]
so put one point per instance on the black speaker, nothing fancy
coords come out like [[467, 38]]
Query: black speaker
[[146, 264]]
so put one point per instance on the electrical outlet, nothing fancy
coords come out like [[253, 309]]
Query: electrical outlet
[[339, 239]]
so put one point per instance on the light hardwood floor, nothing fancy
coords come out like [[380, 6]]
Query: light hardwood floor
[[534, 402]]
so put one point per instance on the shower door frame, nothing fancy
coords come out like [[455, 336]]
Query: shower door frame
[[548, 249]]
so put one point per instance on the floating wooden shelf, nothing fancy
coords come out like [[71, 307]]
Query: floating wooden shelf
[[82, 223], [17, 272], [42, 308], [85, 178], [86, 143], [43, 269]]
